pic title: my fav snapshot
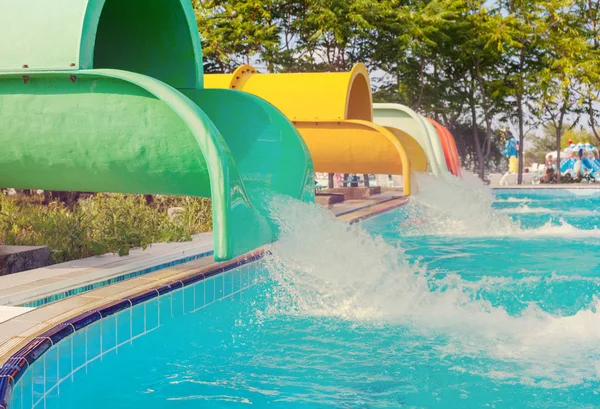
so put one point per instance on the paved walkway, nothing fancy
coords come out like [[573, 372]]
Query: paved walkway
[[28, 286]]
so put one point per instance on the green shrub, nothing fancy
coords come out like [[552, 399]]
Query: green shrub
[[101, 224]]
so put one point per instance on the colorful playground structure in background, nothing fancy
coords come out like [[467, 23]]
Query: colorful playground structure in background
[[582, 161], [110, 96], [579, 162]]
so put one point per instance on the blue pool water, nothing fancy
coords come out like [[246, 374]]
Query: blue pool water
[[458, 300]]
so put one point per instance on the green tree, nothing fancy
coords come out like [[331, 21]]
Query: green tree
[[524, 61], [234, 31], [588, 13], [565, 50], [546, 142]]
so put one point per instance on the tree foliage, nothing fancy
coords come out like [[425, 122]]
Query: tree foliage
[[546, 142], [474, 65]]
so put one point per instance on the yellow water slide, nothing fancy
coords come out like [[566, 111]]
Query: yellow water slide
[[334, 114]]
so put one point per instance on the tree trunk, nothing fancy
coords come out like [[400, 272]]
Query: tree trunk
[[591, 114], [520, 116], [330, 181], [366, 177], [478, 151], [488, 124], [558, 137], [559, 129], [521, 140]]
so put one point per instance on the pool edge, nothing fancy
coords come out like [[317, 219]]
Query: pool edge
[[14, 364]]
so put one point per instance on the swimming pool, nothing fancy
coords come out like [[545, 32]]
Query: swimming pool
[[491, 304]]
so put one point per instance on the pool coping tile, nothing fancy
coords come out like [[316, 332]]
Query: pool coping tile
[[113, 307], [85, 319], [143, 296]]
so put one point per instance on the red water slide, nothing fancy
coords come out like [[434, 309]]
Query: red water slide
[[449, 147]]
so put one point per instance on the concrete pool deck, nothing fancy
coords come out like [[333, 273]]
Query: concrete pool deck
[[20, 325], [27, 286]]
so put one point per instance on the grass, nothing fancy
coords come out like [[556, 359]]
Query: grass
[[101, 224]]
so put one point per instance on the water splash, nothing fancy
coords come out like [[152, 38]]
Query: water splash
[[458, 208], [524, 209], [324, 268], [465, 208]]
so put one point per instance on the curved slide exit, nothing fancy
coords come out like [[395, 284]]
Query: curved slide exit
[[449, 147], [403, 118], [334, 114], [107, 96]]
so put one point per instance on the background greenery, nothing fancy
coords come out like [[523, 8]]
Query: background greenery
[[100, 224], [474, 65]]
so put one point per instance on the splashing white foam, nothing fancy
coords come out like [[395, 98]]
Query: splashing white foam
[[524, 209], [325, 268], [464, 208], [514, 200]]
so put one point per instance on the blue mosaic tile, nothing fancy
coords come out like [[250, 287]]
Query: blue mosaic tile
[[177, 303], [137, 320], [109, 333], [164, 309], [199, 289], [219, 280], [16, 397], [93, 341], [26, 383], [65, 358], [124, 325], [245, 282], [227, 283], [152, 314], [188, 299], [6, 387], [210, 290], [38, 381], [51, 368], [237, 280], [79, 349]]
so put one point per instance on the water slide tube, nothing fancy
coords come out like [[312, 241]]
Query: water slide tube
[[108, 96], [334, 114], [405, 119], [448, 146]]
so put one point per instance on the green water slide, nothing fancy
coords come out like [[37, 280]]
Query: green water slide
[[107, 96]]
